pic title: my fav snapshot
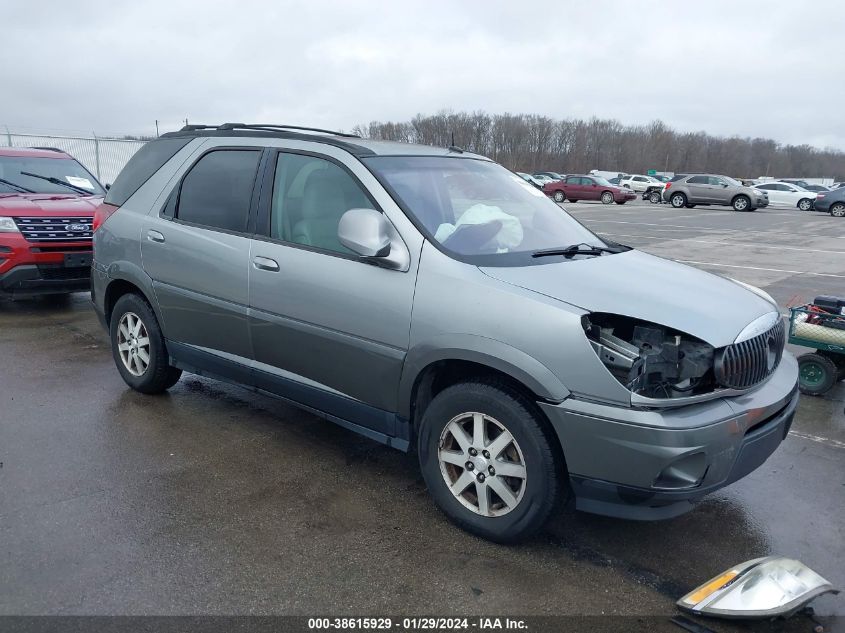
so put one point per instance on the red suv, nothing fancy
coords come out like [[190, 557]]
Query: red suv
[[575, 188], [47, 203]]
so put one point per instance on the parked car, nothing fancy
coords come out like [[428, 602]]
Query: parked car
[[640, 183], [530, 179], [787, 194], [551, 174], [689, 190], [575, 188], [615, 180], [661, 178], [47, 202], [837, 185], [832, 202], [440, 306], [545, 179]]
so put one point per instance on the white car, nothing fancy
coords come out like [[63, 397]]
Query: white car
[[532, 179], [787, 194], [543, 178], [640, 183]]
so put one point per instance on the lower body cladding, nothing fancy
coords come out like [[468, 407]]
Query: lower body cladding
[[44, 279], [654, 464]]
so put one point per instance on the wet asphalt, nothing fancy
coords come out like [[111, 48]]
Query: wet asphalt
[[214, 500]]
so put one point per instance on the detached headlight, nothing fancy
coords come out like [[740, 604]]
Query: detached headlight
[[7, 225], [759, 588]]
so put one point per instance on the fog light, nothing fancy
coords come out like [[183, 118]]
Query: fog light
[[759, 588], [686, 472]]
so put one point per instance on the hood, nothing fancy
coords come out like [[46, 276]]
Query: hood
[[635, 284], [35, 204]]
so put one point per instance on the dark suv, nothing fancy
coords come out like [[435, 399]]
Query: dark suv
[[47, 203]]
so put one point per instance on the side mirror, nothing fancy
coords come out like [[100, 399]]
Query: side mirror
[[108, 186], [365, 232], [724, 184]]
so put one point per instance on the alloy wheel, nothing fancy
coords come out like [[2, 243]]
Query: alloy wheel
[[133, 344], [606, 198], [482, 464], [838, 210]]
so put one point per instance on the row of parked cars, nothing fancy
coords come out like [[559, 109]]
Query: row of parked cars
[[691, 190], [426, 298]]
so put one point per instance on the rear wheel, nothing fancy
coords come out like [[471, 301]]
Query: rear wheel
[[816, 374], [805, 204], [559, 196], [678, 200], [489, 461], [606, 197], [138, 347], [838, 210], [741, 203]]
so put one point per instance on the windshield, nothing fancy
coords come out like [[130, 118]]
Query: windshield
[[478, 210], [66, 170]]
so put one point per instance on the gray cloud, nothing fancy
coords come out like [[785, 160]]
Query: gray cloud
[[752, 70]]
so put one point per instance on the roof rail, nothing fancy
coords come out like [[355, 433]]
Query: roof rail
[[266, 127], [49, 149]]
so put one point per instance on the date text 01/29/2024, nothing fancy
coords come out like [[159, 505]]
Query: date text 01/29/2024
[[417, 623]]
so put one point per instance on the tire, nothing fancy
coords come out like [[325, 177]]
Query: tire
[[654, 197], [621, 201], [816, 374], [532, 451], [838, 210], [805, 204], [573, 200], [606, 197], [689, 206], [130, 347], [678, 200], [741, 203], [559, 196]]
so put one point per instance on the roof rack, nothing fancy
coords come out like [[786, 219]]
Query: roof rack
[[267, 127]]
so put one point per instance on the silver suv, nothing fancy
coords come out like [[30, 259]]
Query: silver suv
[[705, 189], [432, 300]]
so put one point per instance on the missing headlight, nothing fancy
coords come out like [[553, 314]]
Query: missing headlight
[[650, 359]]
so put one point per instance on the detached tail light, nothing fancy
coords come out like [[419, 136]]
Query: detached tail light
[[101, 214]]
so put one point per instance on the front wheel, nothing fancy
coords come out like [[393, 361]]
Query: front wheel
[[805, 204], [621, 201], [838, 210], [816, 374], [741, 203], [606, 197], [489, 461], [559, 196], [654, 197], [138, 347]]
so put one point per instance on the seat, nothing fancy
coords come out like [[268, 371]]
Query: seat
[[323, 204]]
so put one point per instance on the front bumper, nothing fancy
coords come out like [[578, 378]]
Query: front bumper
[[33, 280], [761, 202], [654, 464]]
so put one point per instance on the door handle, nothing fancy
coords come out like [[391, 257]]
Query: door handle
[[265, 263], [155, 236]]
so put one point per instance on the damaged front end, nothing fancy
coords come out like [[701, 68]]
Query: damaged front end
[[652, 361]]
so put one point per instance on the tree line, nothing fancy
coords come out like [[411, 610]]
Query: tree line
[[531, 143]]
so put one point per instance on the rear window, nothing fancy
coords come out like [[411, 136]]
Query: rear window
[[677, 177], [140, 168]]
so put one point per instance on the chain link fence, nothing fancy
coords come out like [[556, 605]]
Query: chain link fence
[[104, 157]]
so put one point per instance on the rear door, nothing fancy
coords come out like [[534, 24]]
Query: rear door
[[196, 250], [330, 329]]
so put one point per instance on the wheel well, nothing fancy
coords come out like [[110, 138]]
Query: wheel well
[[740, 195], [444, 373], [607, 191], [115, 291]]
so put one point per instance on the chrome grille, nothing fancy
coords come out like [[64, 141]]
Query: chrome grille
[[54, 229], [749, 362]]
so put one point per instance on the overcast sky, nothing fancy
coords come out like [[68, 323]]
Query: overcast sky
[[751, 69]]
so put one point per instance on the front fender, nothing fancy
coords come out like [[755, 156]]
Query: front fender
[[484, 351]]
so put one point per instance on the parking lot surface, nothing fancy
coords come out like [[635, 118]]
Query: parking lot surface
[[212, 499]]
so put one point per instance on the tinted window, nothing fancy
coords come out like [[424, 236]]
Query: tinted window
[[767, 187], [587, 181], [573, 180], [698, 180], [218, 189], [143, 164], [677, 177], [310, 195], [640, 179]]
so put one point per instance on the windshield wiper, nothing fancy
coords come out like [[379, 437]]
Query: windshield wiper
[[57, 181], [20, 188], [576, 249]]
